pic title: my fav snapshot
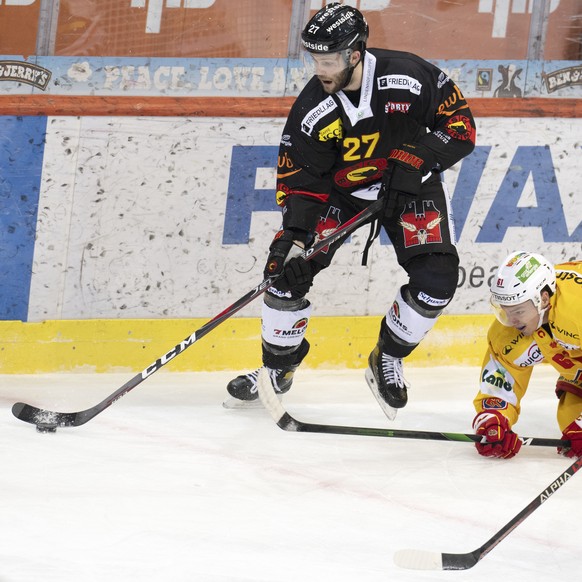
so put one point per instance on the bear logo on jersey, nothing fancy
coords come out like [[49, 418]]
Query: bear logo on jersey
[[460, 127], [421, 228]]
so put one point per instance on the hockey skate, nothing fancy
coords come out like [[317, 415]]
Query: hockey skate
[[243, 390], [386, 381]]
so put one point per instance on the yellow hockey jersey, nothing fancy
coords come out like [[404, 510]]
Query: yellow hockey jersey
[[511, 355]]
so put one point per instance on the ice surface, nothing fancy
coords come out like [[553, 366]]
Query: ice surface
[[166, 485]]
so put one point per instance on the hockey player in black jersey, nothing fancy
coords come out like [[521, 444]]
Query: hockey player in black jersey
[[369, 123]]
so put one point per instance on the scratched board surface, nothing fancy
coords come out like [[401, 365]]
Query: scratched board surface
[[171, 217]]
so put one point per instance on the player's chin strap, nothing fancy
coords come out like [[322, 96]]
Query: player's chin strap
[[542, 315], [351, 68]]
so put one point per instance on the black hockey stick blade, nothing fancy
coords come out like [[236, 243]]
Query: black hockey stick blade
[[34, 415], [287, 422], [425, 560]]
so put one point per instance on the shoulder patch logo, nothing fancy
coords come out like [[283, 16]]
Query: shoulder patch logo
[[460, 127], [494, 404], [309, 121], [334, 130]]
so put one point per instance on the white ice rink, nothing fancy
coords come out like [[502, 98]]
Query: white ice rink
[[167, 486]]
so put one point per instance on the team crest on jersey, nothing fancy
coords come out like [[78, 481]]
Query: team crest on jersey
[[421, 227], [494, 404], [361, 173], [327, 224], [460, 127]]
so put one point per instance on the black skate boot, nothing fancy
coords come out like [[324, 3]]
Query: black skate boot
[[243, 389], [386, 379]]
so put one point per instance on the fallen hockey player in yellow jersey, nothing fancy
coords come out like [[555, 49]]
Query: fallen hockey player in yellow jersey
[[539, 318]]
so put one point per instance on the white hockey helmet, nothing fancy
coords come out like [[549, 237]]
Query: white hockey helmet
[[521, 277]]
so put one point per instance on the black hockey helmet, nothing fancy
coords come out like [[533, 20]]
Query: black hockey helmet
[[336, 27]]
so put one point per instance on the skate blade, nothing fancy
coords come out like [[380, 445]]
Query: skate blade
[[232, 403], [388, 410]]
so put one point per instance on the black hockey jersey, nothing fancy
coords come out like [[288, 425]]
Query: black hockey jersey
[[342, 142]]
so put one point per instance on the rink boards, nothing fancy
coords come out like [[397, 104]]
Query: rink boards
[[165, 222], [135, 345]]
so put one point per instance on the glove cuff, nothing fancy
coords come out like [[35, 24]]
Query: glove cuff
[[410, 163], [299, 235], [574, 428], [487, 416], [414, 157]]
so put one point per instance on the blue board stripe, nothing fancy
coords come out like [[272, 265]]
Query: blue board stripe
[[22, 141]]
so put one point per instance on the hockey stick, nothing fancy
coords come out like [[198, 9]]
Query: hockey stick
[[49, 419], [425, 560], [287, 422]]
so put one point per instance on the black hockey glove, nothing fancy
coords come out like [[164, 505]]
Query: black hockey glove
[[284, 262], [402, 179]]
